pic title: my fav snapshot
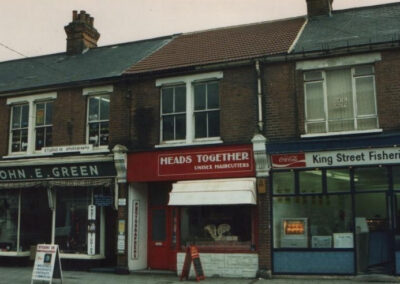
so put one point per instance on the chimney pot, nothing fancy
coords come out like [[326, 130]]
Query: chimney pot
[[81, 34]]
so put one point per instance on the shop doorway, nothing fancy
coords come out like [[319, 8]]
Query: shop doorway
[[374, 233], [161, 250]]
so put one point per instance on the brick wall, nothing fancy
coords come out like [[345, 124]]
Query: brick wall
[[4, 126]]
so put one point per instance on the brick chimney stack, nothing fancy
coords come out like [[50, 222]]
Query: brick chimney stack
[[319, 7], [80, 33]]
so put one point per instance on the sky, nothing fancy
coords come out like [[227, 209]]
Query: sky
[[36, 27]]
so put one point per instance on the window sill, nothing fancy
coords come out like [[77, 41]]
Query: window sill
[[80, 256], [340, 133], [15, 253], [99, 150], [184, 144]]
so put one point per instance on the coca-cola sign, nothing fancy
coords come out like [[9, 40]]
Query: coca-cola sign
[[297, 160]]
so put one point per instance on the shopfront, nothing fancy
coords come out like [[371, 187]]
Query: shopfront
[[61, 201], [202, 196], [336, 212]]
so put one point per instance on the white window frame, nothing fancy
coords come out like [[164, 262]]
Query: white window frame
[[96, 91], [44, 124], [31, 101], [188, 81]]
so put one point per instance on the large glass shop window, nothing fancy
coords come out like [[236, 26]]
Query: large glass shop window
[[8, 220], [72, 220], [216, 226]]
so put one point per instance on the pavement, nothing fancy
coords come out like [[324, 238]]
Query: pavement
[[22, 275]]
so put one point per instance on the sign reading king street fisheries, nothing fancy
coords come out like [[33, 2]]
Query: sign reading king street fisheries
[[181, 164]]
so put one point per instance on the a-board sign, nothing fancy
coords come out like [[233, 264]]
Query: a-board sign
[[192, 255], [47, 263]]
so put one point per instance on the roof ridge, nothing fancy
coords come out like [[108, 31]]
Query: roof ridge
[[243, 25], [365, 7]]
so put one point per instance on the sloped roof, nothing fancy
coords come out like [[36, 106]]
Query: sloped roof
[[351, 27], [60, 68], [222, 45]]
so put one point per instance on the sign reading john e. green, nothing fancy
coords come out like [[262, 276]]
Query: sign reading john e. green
[[58, 171]]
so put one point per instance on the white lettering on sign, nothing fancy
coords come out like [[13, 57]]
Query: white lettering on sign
[[176, 160], [222, 157], [353, 157]]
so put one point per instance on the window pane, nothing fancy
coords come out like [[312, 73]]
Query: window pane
[[315, 101], [364, 70], [200, 120], [167, 100], [316, 127], [49, 113], [283, 182], [40, 136], [16, 117], [367, 123], [180, 124], [213, 124], [25, 116], [396, 179], [180, 99], [310, 181], [16, 141], [24, 139], [93, 108], [104, 130], [8, 219], [216, 226], [104, 108], [40, 111], [341, 125], [212, 95], [313, 75], [199, 96], [368, 179], [338, 180], [49, 137], [310, 221], [340, 100], [365, 96], [158, 225], [94, 134], [168, 128]]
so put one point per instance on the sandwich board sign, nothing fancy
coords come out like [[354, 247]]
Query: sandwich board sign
[[47, 264]]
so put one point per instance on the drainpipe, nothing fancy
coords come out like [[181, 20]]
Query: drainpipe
[[259, 98]]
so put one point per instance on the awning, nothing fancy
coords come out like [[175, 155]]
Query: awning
[[214, 192]]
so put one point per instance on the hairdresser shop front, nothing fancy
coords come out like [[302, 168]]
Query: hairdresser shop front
[[205, 196], [336, 212]]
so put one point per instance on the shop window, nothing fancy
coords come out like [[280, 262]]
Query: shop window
[[283, 182], [396, 177], [98, 120], [31, 123], [312, 221], [310, 181], [217, 226], [338, 180], [397, 218], [190, 109], [72, 220], [340, 100], [8, 219], [371, 179], [44, 125], [36, 218]]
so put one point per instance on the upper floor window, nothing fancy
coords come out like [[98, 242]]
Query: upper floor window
[[190, 108], [340, 100], [31, 123], [98, 115]]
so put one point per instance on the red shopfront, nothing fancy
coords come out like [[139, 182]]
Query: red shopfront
[[204, 196]]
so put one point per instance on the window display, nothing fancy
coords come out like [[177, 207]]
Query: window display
[[217, 226], [8, 220]]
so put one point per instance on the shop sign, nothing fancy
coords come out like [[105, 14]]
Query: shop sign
[[69, 148], [91, 248], [210, 162], [59, 171], [47, 263], [337, 158], [103, 200], [135, 229]]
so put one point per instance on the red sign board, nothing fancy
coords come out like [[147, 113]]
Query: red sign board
[[183, 164], [288, 160]]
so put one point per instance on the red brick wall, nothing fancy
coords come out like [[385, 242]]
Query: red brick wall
[[4, 126]]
